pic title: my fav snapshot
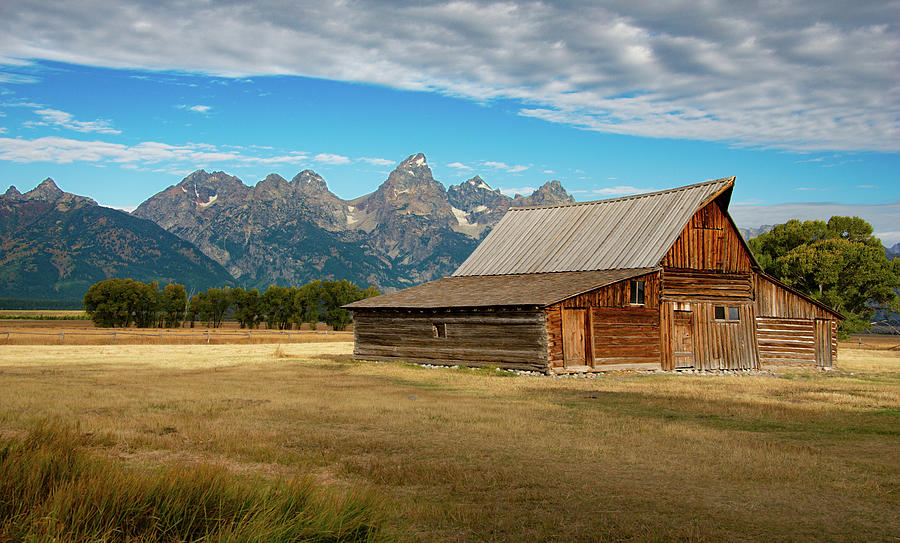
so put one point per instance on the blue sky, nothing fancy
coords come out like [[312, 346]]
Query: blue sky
[[800, 102]]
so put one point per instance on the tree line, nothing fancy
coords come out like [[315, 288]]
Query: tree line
[[123, 302], [839, 263]]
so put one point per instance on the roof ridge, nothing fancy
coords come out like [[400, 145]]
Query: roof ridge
[[630, 197]]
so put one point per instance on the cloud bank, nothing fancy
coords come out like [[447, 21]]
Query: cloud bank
[[802, 75]]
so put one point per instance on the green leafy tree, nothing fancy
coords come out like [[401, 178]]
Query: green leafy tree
[[210, 306], [839, 263], [277, 303], [143, 303], [106, 304], [119, 302], [246, 307], [308, 304], [172, 305], [338, 293]]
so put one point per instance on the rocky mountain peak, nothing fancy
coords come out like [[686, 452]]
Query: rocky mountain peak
[[47, 191], [551, 192], [203, 188], [273, 186], [308, 179], [475, 195], [12, 193], [414, 161]]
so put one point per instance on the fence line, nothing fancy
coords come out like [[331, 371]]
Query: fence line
[[208, 335]]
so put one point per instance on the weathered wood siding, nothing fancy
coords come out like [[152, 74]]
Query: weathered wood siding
[[773, 300], [505, 338], [696, 286], [625, 336], [620, 334], [786, 326], [617, 295], [709, 242], [786, 341], [713, 344]]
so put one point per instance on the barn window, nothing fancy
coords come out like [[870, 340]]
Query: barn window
[[637, 293], [723, 313], [439, 329]]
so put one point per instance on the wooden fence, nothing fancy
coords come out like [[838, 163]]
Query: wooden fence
[[167, 337]]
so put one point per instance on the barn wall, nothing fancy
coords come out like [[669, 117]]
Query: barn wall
[[689, 298], [787, 327], [505, 338], [621, 335], [709, 242]]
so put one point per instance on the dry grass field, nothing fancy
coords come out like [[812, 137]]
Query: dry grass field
[[83, 332], [789, 454]]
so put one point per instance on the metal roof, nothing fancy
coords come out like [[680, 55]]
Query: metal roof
[[538, 290], [620, 233]]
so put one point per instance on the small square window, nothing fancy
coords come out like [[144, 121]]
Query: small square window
[[440, 330], [637, 293], [734, 314], [720, 313]]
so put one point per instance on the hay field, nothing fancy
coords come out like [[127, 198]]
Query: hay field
[[464, 455], [83, 332]]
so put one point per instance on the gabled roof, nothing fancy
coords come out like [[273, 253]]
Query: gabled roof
[[615, 234], [531, 290]]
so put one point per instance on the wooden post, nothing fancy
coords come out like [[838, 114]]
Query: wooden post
[[114, 336], [207, 335], [63, 336]]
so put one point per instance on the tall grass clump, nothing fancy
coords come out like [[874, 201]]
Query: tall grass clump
[[53, 488]]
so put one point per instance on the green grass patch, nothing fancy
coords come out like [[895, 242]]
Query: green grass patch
[[52, 488]]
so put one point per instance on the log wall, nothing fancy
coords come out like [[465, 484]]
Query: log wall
[[678, 285], [621, 335], [709, 242], [625, 336], [786, 325], [505, 338], [786, 341]]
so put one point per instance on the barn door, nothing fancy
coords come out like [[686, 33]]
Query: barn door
[[823, 342], [573, 332], [683, 339]]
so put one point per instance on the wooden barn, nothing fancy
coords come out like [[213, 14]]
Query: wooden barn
[[654, 281]]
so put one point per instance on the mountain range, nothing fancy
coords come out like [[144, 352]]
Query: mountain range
[[54, 245], [212, 229]]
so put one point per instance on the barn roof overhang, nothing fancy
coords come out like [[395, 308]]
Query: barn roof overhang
[[537, 290]]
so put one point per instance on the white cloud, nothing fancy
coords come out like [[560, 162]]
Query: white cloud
[[203, 110], [328, 158], [506, 167], [800, 75], [621, 190], [521, 190], [62, 119], [883, 218], [377, 161], [64, 150], [459, 166], [548, 171]]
